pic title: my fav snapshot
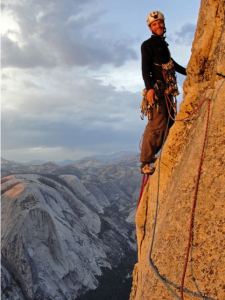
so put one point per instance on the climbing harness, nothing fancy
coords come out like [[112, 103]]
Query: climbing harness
[[170, 80], [167, 89]]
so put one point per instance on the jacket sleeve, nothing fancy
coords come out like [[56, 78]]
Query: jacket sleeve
[[179, 68], [146, 67]]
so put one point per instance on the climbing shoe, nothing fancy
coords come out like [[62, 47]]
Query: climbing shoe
[[147, 169]]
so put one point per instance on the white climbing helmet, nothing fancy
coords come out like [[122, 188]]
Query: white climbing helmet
[[153, 16]]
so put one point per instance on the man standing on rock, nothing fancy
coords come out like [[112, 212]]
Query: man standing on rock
[[159, 105]]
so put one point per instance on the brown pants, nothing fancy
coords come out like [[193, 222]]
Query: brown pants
[[155, 132]]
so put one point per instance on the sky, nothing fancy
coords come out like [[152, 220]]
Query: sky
[[71, 73]]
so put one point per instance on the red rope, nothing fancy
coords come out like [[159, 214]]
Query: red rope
[[191, 227], [169, 105], [143, 184]]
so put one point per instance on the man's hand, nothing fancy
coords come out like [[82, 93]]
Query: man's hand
[[150, 96]]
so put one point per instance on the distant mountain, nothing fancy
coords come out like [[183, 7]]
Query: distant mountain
[[111, 158], [65, 162], [35, 162], [5, 163], [73, 167], [11, 167], [99, 160], [107, 158], [65, 229]]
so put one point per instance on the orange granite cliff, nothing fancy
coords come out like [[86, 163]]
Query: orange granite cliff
[[189, 183]]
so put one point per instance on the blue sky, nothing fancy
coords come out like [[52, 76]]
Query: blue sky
[[71, 75]]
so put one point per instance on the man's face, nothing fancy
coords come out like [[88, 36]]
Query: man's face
[[157, 27]]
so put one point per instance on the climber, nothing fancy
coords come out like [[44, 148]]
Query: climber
[[158, 71]]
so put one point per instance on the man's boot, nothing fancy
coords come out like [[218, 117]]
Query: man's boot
[[147, 169]]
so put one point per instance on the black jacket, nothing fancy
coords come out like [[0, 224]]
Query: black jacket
[[155, 51]]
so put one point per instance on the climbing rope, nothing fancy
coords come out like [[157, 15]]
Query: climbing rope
[[170, 105], [163, 278], [157, 198], [191, 226], [143, 184], [192, 242], [168, 283], [192, 113], [192, 268]]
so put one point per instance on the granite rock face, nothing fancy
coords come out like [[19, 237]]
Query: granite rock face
[[60, 231], [161, 277]]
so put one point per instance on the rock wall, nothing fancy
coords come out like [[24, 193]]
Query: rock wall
[[160, 278]]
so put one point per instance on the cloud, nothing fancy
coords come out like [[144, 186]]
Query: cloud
[[57, 33], [72, 80], [26, 57], [73, 111], [185, 35], [24, 133]]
